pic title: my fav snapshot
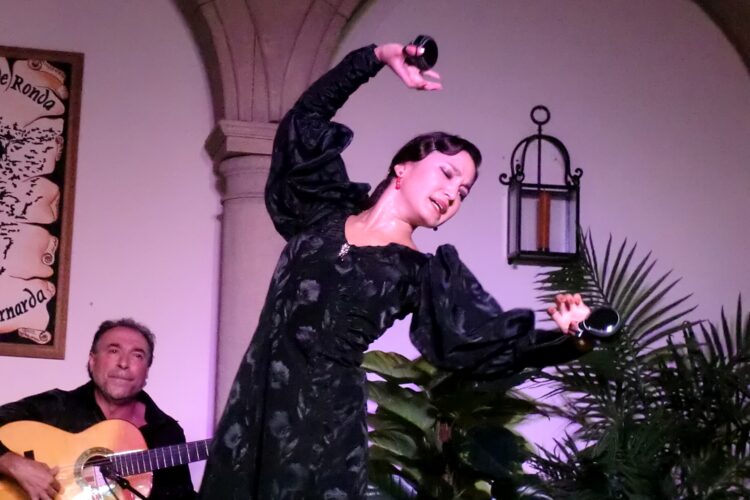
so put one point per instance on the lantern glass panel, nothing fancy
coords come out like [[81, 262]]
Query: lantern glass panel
[[514, 226], [548, 219]]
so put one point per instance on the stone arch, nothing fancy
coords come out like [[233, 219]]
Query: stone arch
[[262, 54], [733, 19]]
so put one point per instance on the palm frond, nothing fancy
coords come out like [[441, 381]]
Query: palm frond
[[663, 410]]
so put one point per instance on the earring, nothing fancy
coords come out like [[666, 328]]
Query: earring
[[398, 182], [435, 228]]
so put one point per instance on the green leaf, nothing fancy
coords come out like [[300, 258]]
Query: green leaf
[[425, 367], [396, 442], [383, 420], [392, 366], [412, 406]]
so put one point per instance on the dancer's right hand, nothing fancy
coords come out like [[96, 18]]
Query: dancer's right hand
[[394, 56]]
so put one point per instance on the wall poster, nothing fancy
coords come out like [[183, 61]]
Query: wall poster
[[40, 97]]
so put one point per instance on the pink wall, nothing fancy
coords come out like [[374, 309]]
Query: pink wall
[[145, 233]]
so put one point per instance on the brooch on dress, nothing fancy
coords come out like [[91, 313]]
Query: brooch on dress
[[344, 250]]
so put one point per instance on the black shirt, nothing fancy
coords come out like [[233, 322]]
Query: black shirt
[[76, 410]]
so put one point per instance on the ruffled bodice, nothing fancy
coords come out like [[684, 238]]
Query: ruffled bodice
[[342, 297]]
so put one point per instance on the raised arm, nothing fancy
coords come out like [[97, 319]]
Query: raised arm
[[329, 93], [324, 97], [308, 180]]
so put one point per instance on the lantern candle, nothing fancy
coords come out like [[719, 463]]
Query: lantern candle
[[542, 221]]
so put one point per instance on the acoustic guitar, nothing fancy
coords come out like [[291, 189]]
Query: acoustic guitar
[[88, 460]]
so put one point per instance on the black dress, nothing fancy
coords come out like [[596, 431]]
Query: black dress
[[294, 424]]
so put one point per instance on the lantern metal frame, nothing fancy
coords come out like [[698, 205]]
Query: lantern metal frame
[[517, 189]]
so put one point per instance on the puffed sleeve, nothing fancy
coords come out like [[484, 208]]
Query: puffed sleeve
[[308, 179], [459, 326]]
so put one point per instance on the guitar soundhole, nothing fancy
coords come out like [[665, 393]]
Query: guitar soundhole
[[92, 470], [90, 478]]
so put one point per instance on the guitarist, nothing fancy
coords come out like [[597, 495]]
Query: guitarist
[[121, 354]]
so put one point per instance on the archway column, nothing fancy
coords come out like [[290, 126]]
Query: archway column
[[250, 245]]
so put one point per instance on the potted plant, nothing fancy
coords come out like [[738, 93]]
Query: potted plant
[[663, 411], [440, 435]]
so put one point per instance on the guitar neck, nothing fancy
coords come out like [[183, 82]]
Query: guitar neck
[[138, 462]]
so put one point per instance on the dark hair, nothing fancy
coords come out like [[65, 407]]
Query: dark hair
[[127, 323], [421, 146]]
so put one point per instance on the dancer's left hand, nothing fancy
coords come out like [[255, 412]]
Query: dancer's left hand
[[568, 311]]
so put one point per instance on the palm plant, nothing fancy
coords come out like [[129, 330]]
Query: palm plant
[[443, 435], [662, 411]]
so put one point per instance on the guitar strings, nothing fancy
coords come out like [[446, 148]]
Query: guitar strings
[[96, 462], [101, 460], [69, 471]]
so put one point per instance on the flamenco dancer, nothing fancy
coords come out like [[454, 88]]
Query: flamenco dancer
[[294, 424]]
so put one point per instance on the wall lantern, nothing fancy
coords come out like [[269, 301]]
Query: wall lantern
[[542, 217]]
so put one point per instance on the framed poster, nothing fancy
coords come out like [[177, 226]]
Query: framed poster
[[40, 98]]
